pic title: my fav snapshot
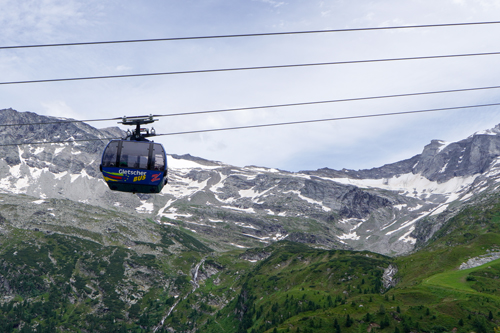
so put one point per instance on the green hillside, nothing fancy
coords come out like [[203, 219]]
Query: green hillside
[[76, 279]]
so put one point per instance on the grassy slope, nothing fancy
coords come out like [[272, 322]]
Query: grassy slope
[[301, 289], [471, 295], [458, 279], [56, 282], [69, 284]]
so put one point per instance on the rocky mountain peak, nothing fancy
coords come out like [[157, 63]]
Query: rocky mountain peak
[[492, 131], [378, 209], [441, 161]]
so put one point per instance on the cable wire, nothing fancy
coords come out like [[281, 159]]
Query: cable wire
[[326, 101], [332, 119], [274, 124], [248, 35], [258, 107], [253, 68]]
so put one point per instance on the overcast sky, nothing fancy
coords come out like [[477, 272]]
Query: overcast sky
[[351, 144]]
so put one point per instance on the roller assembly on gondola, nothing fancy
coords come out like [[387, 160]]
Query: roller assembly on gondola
[[135, 164]]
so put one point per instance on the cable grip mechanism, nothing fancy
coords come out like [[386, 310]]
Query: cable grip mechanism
[[139, 134]]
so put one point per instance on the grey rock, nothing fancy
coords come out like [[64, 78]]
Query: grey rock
[[254, 206], [480, 260], [388, 279]]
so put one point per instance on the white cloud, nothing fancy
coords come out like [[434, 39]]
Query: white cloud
[[272, 2], [40, 20], [478, 4], [59, 109], [123, 68]]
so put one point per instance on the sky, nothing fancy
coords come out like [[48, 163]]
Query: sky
[[351, 144]]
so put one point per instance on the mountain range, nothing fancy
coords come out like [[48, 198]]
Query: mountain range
[[389, 210], [411, 246]]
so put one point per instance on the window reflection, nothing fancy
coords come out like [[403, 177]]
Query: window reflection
[[134, 155]]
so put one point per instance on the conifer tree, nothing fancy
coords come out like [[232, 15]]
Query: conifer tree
[[348, 321], [336, 326]]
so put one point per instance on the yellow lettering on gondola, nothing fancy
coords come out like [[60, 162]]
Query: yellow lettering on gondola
[[139, 178]]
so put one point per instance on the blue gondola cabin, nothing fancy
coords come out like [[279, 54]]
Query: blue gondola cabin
[[134, 166]]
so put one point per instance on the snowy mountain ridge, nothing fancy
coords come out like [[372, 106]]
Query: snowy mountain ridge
[[378, 209]]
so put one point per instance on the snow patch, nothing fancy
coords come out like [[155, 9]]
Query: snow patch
[[351, 235], [311, 201], [444, 144], [412, 185], [404, 225], [169, 202], [244, 225], [260, 239], [184, 189], [246, 210], [492, 131], [175, 163], [240, 246], [60, 175], [37, 151], [469, 195], [171, 213], [277, 237], [406, 237], [261, 169], [439, 210], [145, 208]]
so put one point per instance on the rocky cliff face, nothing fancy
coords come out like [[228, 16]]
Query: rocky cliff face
[[439, 161], [386, 209]]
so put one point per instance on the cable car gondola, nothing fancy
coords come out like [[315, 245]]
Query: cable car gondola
[[135, 164]]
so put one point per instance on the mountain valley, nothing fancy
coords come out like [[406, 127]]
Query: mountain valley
[[246, 249]]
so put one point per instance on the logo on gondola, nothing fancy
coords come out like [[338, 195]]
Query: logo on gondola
[[112, 176], [139, 178], [132, 172], [155, 177]]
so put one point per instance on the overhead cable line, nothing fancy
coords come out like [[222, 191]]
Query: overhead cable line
[[271, 125], [325, 101], [331, 119], [257, 107], [249, 35], [253, 68]]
